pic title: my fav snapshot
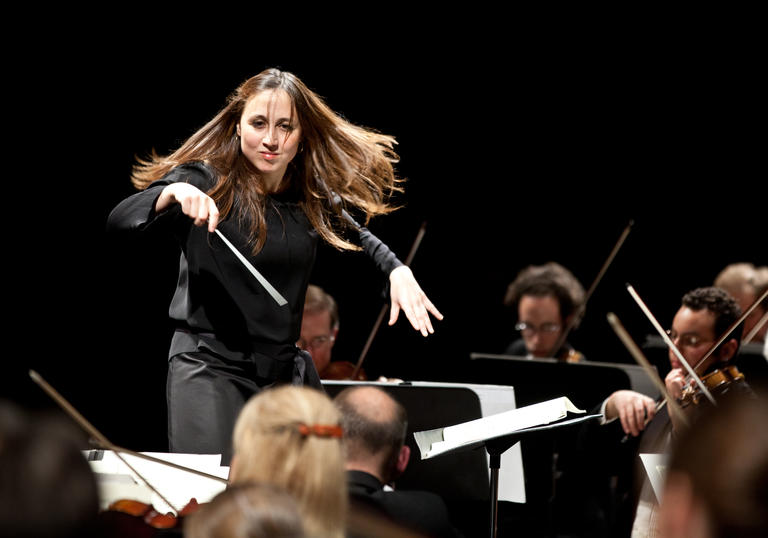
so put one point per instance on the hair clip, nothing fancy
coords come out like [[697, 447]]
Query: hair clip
[[321, 430]]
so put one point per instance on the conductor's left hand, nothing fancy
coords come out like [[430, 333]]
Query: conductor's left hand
[[407, 295]]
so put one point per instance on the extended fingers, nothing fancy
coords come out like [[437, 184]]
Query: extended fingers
[[394, 312], [432, 308], [414, 305], [408, 296], [416, 312]]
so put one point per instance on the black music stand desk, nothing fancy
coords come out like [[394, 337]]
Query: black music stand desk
[[496, 445]]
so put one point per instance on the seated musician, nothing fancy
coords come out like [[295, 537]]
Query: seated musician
[[746, 283], [375, 426], [546, 299], [319, 327], [631, 422]]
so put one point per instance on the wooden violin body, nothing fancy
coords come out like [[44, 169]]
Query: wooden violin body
[[342, 370], [717, 382], [571, 355], [128, 517]]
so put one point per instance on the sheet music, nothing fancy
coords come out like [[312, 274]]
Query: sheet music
[[493, 399], [493, 426], [116, 481]]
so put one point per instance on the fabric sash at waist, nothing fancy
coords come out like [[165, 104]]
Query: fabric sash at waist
[[271, 361]]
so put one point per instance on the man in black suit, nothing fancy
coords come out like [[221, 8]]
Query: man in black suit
[[375, 426]]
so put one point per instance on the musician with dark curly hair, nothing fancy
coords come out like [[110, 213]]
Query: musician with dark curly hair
[[546, 300]]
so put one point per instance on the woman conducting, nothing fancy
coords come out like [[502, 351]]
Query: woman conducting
[[274, 172]]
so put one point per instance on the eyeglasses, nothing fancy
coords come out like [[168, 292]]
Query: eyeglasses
[[315, 342], [686, 339], [543, 328]]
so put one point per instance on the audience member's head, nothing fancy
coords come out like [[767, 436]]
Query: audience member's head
[[319, 326], [545, 298], [47, 488], [746, 283], [247, 510], [290, 436], [717, 478], [375, 425]]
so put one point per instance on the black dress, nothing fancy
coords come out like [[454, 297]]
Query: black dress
[[232, 338]]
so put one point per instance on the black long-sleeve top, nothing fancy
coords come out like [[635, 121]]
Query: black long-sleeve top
[[218, 302]]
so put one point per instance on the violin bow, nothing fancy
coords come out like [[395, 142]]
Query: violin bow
[[637, 354], [580, 310], [669, 342], [748, 338], [105, 444], [385, 307]]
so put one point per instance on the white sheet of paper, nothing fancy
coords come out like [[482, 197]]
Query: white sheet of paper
[[655, 467], [176, 485]]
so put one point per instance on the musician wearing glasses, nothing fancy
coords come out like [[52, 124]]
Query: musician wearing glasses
[[705, 314], [319, 327], [546, 299], [633, 424]]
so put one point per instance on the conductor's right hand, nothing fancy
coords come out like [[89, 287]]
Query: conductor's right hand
[[194, 203]]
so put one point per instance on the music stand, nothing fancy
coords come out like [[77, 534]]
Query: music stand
[[495, 446], [585, 383]]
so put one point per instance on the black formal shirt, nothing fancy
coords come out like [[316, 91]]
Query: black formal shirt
[[218, 304], [421, 511]]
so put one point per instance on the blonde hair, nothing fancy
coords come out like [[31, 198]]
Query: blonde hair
[[736, 278], [338, 158], [269, 447]]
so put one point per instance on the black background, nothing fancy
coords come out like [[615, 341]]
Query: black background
[[518, 148]]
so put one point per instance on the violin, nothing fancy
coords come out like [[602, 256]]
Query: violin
[[343, 370], [571, 355], [717, 382], [128, 517]]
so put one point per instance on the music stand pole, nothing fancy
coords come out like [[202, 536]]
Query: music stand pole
[[495, 464], [495, 447]]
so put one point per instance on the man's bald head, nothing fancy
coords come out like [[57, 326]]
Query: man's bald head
[[375, 425]]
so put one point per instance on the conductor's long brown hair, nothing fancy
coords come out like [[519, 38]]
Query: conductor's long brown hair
[[354, 162]]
